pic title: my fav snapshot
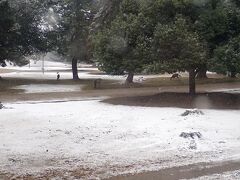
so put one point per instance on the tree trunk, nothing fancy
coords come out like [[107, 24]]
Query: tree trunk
[[202, 74], [192, 82], [233, 74], [130, 78], [74, 68]]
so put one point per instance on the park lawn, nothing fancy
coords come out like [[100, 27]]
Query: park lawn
[[8, 84]]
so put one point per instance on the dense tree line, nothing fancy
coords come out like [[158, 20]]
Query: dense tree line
[[126, 36], [171, 36]]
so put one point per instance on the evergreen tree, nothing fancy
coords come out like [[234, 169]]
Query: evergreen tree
[[122, 47], [177, 48], [21, 33], [218, 22], [72, 34], [227, 58]]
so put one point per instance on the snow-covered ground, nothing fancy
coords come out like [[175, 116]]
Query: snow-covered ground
[[235, 90], [68, 75], [34, 71], [109, 140], [103, 139], [37, 66], [53, 75], [44, 88]]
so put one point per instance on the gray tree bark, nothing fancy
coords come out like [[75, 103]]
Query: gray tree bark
[[75, 69], [130, 77], [192, 82]]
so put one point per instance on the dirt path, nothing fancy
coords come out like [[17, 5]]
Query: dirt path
[[184, 172], [174, 173], [127, 92]]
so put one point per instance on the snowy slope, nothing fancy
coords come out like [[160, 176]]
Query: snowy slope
[[110, 140]]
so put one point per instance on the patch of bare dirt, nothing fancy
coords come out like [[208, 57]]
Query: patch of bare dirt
[[61, 173], [13, 95], [214, 100], [2, 71], [183, 172]]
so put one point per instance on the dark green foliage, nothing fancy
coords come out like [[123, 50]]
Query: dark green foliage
[[105, 12], [7, 31], [122, 47], [177, 48], [218, 22], [227, 58], [71, 36], [20, 31], [73, 28]]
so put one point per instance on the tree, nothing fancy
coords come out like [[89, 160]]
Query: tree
[[121, 47], [105, 12], [6, 31], [227, 58], [149, 15], [166, 10], [72, 34], [218, 22], [21, 33], [177, 48]]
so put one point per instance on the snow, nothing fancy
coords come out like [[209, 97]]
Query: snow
[[37, 65], [51, 67], [109, 140], [105, 139], [43, 88], [84, 73], [235, 90]]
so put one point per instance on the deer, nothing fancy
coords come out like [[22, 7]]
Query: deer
[[175, 75]]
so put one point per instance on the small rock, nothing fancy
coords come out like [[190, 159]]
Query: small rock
[[192, 135], [237, 174], [12, 160], [192, 145], [67, 132], [192, 112], [1, 106]]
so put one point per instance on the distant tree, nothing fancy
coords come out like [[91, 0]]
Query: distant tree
[[105, 12], [21, 33], [177, 48], [122, 47], [165, 11], [7, 32], [227, 58], [218, 21], [72, 32]]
